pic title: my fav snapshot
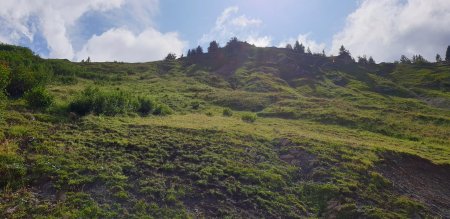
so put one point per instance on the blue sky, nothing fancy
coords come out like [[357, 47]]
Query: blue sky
[[281, 20], [146, 30]]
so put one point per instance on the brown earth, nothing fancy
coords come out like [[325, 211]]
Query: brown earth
[[419, 179]]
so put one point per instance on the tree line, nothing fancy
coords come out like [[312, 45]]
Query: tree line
[[299, 48]]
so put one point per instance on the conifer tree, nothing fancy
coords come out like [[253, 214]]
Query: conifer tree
[[438, 58], [371, 61], [447, 54], [213, 47], [343, 51], [362, 60], [299, 48], [405, 60], [199, 50], [289, 46]]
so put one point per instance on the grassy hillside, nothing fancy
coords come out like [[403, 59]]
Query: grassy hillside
[[243, 133]]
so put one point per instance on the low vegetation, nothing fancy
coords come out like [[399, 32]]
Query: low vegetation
[[248, 117], [116, 102], [38, 98]]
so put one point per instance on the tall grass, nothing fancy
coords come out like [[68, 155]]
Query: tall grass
[[117, 102]]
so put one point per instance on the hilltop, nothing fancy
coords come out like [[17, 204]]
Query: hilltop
[[237, 132]]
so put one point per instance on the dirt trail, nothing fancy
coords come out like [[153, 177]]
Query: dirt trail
[[419, 179]]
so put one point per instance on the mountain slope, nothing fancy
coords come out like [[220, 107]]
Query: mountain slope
[[332, 138]]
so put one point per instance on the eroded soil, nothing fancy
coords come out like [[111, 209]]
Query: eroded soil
[[419, 179]]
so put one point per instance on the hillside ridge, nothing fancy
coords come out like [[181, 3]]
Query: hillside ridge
[[237, 132]]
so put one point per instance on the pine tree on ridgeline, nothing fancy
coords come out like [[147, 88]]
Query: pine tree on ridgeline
[[213, 47], [371, 61], [199, 50], [289, 46], [438, 58], [447, 54], [299, 48]]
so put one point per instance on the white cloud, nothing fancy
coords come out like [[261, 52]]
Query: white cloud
[[243, 21], [24, 18], [122, 45], [53, 19], [229, 24], [259, 41], [386, 29], [304, 39]]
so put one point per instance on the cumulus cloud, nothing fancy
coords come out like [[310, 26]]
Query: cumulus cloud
[[386, 29], [55, 20], [263, 41], [22, 19], [122, 44], [243, 21], [229, 24], [305, 39]]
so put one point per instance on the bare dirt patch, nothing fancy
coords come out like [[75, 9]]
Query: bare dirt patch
[[419, 179]]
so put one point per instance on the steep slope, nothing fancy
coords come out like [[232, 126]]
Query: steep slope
[[331, 139]]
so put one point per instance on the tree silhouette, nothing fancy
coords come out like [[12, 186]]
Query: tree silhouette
[[299, 48], [189, 53], [362, 60], [418, 59], [199, 50], [343, 52], [289, 46], [233, 42], [447, 54], [170, 57], [308, 51], [405, 60], [213, 47], [371, 61], [438, 58]]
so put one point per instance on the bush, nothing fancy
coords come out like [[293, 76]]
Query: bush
[[23, 79], [146, 105], [23, 68], [162, 110], [103, 102], [4, 77], [227, 112], [38, 98], [93, 100], [248, 117], [195, 105]]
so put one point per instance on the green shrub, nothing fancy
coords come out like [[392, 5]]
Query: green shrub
[[38, 98], [248, 117], [195, 105], [24, 79], [93, 100], [4, 77], [162, 110], [146, 105], [85, 102], [227, 112], [23, 68]]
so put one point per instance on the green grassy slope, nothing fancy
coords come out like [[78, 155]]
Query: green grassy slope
[[330, 139]]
